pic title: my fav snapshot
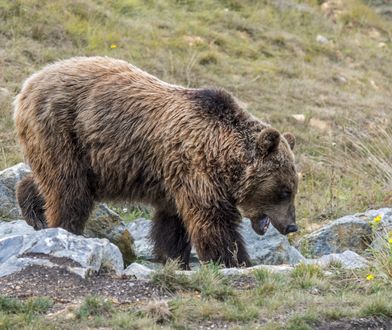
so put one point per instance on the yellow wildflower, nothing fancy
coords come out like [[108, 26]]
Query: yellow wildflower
[[377, 219], [390, 240], [113, 46], [370, 277]]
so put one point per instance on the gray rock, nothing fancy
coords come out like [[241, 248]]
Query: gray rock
[[140, 229], [348, 259], [271, 249], [9, 208], [381, 230], [139, 271], [352, 232], [56, 247], [347, 233], [282, 269], [104, 223], [15, 227], [386, 218]]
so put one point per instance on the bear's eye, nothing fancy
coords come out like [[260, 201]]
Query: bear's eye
[[285, 194]]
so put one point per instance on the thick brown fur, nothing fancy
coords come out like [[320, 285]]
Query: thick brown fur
[[97, 129]]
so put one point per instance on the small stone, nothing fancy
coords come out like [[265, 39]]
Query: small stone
[[321, 39], [139, 271], [299, 117]]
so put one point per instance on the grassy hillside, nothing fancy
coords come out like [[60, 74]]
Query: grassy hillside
[[329, 63]]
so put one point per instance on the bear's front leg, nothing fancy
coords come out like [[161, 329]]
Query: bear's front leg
[[214, 233], [170, 239]]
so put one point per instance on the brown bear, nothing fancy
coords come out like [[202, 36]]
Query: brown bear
[[96, 128]]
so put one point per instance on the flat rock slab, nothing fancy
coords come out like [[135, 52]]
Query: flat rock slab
[[348, 260], [55, 247]]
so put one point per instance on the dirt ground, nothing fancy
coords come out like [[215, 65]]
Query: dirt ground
[[357, 324], [65, 287]]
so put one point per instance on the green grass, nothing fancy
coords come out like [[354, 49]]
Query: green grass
[[266, 55], [131, 212], [94, 306], [17, 314], [338, 296]]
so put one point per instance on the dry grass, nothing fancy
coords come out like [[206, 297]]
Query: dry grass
[[265, 52]]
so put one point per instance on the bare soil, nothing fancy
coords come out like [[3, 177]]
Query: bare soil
[[65, 287], [357, 324]]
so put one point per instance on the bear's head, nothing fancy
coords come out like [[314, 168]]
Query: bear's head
[[271, 183]]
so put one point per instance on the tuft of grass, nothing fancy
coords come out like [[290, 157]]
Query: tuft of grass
[[268, 284], [306, 276], [211, 283], [302, 322], [382, 256], [168, 278], [19, 314], [207, 280], [158, 310], [238, 309], [129, 212], [30, 306], [378, 306], [129, 320], [94, 306]]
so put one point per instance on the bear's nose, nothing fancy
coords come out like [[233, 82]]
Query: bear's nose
[[291, 229]]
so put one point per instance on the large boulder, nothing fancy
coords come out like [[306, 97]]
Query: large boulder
[[103, 223], [272, 248], [352, 232], [347, 233], [55, 247]]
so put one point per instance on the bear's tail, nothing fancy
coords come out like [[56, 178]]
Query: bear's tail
[[31, 202]]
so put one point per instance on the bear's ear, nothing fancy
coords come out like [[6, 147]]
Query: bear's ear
[[268, 140], [290, 139]]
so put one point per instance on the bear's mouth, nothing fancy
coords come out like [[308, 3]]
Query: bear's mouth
[[260, 226]]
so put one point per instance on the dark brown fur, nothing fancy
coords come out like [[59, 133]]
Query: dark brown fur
[[100, 129]]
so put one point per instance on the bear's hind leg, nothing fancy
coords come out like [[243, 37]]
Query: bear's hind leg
[[68, 197], [170, 238], [31, 202]]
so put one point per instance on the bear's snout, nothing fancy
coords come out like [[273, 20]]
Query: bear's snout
[[291, 229]]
